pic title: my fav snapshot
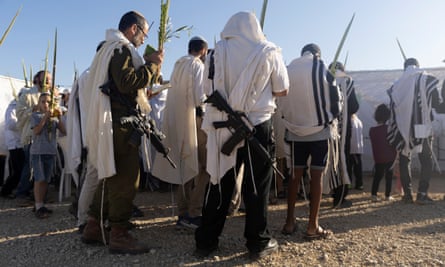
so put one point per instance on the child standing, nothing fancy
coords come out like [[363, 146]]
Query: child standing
[[44, 149], [384, 154]]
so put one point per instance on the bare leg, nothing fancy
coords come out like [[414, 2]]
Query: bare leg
[[293, 187], [40, 191], [316, 190]]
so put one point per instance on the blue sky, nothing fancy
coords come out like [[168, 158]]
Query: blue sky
[[371, 44]]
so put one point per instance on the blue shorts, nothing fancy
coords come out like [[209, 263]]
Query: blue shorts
[[43, 167], [318, 150]]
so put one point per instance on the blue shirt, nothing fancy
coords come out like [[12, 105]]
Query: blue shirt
[[44, 143]]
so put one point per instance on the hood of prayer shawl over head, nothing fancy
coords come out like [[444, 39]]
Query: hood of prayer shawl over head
[[243, 25]]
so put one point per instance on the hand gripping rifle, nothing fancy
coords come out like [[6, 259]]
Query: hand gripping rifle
[[241, 129], [142, 126], [140, 123]]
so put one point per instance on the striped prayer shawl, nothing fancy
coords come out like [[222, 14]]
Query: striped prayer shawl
[[319, 73], [337, 173], [420, 114], [313, 100]]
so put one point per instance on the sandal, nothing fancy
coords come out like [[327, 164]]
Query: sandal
[[320, 233], [284, 231]]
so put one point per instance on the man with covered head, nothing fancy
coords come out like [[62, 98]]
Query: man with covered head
[[307, 112], [248, 72], [412, 98]]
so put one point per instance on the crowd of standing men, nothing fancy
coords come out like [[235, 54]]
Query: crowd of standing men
[[218, 120]]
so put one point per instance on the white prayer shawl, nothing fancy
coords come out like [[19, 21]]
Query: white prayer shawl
[[411, 90], [99, 135], [75, 126], [179, 122], [243, 67]]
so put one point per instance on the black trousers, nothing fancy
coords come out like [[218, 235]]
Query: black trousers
[[426, 169], [217, 203], [382, 170], [2, 168], [16, 162], [355, 169]]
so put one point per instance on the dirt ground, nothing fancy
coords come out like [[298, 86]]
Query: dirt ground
[[366, 234]]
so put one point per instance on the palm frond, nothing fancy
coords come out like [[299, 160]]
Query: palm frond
[[10, 25]]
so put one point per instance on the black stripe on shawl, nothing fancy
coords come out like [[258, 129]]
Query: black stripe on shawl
[[315, 90], [393, 135], [432, 91], [334, 96], [321, 73], [416, 117]]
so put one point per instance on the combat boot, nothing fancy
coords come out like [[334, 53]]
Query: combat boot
[[121, 242], [92, 233]]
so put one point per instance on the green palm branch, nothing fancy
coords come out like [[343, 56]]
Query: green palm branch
[[10, 25]]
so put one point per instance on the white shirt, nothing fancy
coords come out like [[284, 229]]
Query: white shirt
[[356, 135], [12, 134]]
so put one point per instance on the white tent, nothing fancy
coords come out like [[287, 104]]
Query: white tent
[[371, 87], [8, 87]]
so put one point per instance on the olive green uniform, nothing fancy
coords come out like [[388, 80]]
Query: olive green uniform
[[119, 190]]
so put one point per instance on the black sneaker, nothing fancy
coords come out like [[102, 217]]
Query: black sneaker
[[137, 212], [423, 199], [191, 222], [407, 199], [270, 248], [43, 213], [81, 227], [204, 252]]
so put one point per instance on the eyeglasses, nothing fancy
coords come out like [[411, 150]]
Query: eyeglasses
[[142, 30]]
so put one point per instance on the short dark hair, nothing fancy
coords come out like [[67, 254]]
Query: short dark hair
[[313, 48], [130, 18], [195, 45], [338, 66], [410, 62], [36, 78], [42, 94], [382, 113]]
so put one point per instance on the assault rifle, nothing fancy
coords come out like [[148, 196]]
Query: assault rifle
[[241, 128], [139, 122], [142, 126]]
